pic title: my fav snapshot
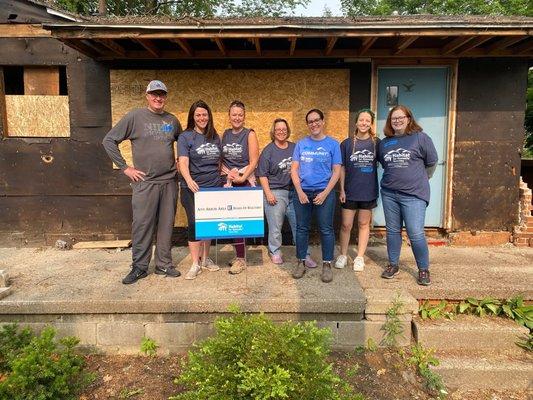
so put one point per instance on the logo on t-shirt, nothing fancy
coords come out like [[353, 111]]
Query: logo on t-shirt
[[310, 154], [285, 164], [159, 132], [208, 149], [399, 158], [232, 150], [362, 156]]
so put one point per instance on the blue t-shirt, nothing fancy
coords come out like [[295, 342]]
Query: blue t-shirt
[[275, 164], [235, 148], [316, 158], [204, 157], [404, 159], [360, 164]]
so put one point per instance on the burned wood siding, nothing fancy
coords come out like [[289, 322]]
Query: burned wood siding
[[55, 186], [489, 135], [360, 85]]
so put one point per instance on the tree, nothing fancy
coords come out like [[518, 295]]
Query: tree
[[528, 123], [437, 7], [193, 8]]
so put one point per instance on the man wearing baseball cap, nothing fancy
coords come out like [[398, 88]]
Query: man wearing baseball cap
[[152, 132]]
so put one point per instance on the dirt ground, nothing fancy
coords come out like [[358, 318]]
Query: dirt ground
[[378, 375]]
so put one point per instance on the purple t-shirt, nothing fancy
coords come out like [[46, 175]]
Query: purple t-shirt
[[316, 158], [275, 164], [404, 159], [360, 164], [204, 157]]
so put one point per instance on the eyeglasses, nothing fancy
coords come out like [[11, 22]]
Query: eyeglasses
[[280, 130], [398, 119], [158, 95], [314, 121]]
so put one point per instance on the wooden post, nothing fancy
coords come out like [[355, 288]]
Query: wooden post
[[3, 111]]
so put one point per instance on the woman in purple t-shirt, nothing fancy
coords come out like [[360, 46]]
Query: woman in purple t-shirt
[[358, 187], [409, 159], [240, 154]]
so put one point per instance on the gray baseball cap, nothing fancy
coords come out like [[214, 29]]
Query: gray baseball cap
[[156, 85]]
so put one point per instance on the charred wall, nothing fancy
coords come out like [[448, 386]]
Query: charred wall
[[489, 136], [50, 187]]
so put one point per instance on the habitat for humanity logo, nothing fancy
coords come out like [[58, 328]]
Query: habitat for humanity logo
[[230, 228], [399, 155], [285, 164], [222, 227], [232, 149], [208, 149], [362, 156]]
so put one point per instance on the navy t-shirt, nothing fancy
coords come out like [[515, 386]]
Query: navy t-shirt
[[361, 178], [275, 164], [404, 159], [204, 157], [316, 158], [235, 149]]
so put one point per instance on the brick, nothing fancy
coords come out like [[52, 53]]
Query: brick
[[4, 278], [167, 335], [119, 334], [479, 238]]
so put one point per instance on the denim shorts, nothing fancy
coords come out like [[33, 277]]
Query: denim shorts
[[359, 205]]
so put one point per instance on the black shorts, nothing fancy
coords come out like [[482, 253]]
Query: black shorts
[[359, 205]]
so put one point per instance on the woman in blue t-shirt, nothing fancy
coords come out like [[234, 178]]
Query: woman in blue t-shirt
[[316, 166], [358, 187], [240, 154], [274, 173], [199, 153], [409, 159]]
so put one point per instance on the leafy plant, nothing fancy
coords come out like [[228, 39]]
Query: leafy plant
[[149, 346], [128, 393], [482, 307], [12, 341], [250, 357], [423, 359], [526, 342], [44, 369], [393, 325], [516, 309], [441, 310]]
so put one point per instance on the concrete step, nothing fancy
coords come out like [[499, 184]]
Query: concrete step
[[468, 332], [471, 372]]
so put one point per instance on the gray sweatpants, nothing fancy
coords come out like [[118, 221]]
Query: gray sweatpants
[[153, 204]]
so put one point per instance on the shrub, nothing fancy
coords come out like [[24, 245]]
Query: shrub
[[41, 368], [250, 357], [149, 346]]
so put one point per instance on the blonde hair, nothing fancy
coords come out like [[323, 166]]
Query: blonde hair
[[272, 137]]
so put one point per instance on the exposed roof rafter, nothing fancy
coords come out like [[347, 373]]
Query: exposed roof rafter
[[367, 44], [403, 43], [150, 46], [456, 43], [221, 46], [185, 46], [504, 43], [113, 46], [330, 45], [293, 45]]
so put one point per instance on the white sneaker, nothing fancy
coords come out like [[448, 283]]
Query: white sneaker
[[193, 272], [341, 262], [210, 265], [359, 264]]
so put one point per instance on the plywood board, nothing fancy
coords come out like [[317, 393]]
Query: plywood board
[[37, 116], [41, 81], [102, 244]]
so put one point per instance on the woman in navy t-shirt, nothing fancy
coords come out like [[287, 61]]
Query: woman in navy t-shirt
[[240, 154], [199, 153], [316, 165], [409, 159], [358, 187]]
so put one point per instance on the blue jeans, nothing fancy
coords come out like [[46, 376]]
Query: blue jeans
[[400, 208], [324, 214], [275, 215]]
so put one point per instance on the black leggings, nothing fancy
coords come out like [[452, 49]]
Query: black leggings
[[187, 201]]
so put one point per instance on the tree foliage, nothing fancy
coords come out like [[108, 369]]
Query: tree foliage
[[193, 8], [528, 123], [437, 7]]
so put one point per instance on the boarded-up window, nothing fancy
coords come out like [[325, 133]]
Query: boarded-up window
[[35, 102]]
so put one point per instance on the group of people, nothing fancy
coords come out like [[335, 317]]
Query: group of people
[[297, 180]]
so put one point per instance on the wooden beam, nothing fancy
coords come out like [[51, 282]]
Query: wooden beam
[[113, 46], [367, 44], [455, 44], [185, 46], [403, 43], [473, 44], [504, 43], [330, 45], [3, 110], [524, 47], [23, 31], [257, 44], [221, 46], [82, 48], [293, 45], [150, 46]]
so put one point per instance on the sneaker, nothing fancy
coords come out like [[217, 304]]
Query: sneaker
[[237, 266], [276, 259], [210, 265], [193, 272], [230, 263], [134, 275], [390, 271], [341, 262], [327, 273], [309, 262], [358, 264], [423, 278], [299, 271], [169, 271]]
